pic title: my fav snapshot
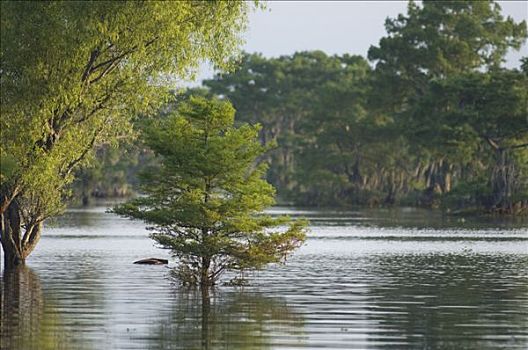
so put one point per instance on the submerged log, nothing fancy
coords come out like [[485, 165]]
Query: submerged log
[[152, 261]]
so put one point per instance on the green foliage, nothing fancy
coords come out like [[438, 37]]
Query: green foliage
[[290, 96], [442, 38], [333, 148], [482, 117], [73, 74], [349, 134], [436, 119], [436, 41], [204, 200], [435, 45], [464, 113]]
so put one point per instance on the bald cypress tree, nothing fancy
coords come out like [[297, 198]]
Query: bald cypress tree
[[205, 200]]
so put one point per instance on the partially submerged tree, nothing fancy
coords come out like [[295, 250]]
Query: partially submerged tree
[[73, 74], [205, 200]]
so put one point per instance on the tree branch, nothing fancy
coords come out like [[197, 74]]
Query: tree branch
[[518, 146], [112, 62], [93, 57], [71, 165]]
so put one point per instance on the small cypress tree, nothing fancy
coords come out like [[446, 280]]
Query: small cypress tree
[[205, 199]]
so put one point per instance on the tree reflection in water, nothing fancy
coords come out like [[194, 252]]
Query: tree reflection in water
[[27, 322], [228, 320], [22, 324]]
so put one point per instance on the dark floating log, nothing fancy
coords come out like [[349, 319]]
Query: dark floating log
[[152, 261]]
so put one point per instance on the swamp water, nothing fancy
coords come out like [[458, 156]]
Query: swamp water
[[406, 279]]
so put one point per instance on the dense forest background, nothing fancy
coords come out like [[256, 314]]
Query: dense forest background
[[430, 118]]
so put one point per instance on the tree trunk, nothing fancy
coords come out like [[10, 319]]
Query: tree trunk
[[205, 281], [390, 198], [502, 183], [18, 239], [437, 181]]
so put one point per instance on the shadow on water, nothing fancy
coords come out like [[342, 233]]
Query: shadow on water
[[27, 321], [439, 301], [226, 320]]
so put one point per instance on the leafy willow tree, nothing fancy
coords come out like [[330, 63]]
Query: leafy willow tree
[[436, 40], [73, 74], [204, 201]]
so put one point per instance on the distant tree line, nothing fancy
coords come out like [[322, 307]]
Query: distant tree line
[[433, 120]]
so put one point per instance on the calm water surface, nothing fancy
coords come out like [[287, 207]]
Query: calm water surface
[[364, 280]]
